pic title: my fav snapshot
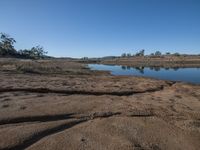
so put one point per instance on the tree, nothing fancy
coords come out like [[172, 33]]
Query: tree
[[34, 52], [7, 49], [123, 55], [152, 54], [158, 53], [84, 58], [176, 54], [38, 52], [167, 53], [140, 53], [25, 53], [6, 45], [128, 54]]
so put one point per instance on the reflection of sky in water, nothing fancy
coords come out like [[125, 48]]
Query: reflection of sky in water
[[177, 74]]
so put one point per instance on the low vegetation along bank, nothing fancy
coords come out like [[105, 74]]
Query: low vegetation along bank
[[155, 61]]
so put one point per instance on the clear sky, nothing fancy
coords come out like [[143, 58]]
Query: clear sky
[[94, 28]]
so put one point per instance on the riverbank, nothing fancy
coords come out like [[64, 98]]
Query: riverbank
[[155, 61], [50, 104]]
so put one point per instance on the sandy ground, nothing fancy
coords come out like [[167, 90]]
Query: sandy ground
[[78, 110]]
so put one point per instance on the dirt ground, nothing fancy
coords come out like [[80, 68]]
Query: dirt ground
[[63, 105]]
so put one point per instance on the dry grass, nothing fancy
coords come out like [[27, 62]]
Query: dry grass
[[42, 66], [36, 67]]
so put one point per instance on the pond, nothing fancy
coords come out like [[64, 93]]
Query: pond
[[191, 75]]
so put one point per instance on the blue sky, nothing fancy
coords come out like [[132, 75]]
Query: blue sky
[[93, 28]]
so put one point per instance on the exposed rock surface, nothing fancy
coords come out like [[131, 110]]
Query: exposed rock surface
[[97, 111]]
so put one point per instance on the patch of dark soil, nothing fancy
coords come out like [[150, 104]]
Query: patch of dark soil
[[81, 92], [22, 107], [36, 137], [103, 114], [36, 118], [141, 113], [5, 106], [196, 123], [6, 99]]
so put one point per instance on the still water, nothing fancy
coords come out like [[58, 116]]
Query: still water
[[191, 75]]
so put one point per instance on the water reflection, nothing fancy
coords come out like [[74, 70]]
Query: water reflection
[[175, 68], [124, 67], [141, 69], [168, 73]]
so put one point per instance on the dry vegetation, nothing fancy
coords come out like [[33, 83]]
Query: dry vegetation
[[42, 66]]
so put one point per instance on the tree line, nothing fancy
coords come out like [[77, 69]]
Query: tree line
[[142, 53], [7, 49]]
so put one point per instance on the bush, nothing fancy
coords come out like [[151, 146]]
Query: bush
[[140, 53], [123, 55], [6, 45], [158, 53], [128, 55], [38, 68], [176, 54], [152, 54], [35, 52]]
